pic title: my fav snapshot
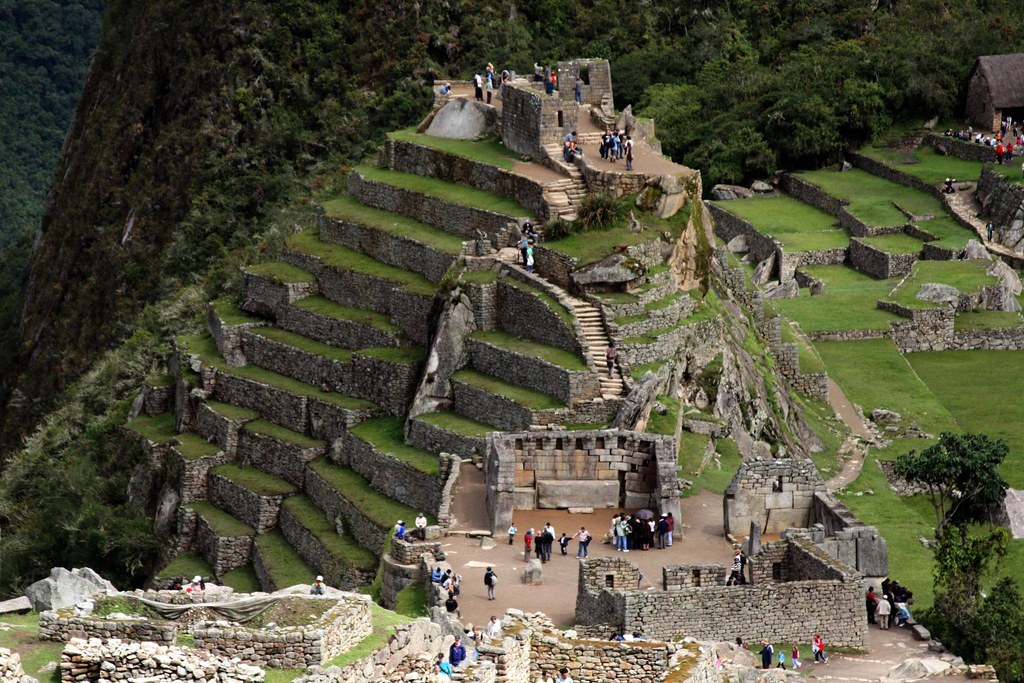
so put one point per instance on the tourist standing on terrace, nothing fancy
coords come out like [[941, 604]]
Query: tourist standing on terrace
[[421, 526], [490, 581], [512, 533], [478, 87], [527, 544], [766, 653], [583, 537], [578, 89]]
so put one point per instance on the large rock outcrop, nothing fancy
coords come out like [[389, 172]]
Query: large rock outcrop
[[66, 588]]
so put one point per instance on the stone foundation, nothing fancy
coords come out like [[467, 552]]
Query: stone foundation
[[104, 660]]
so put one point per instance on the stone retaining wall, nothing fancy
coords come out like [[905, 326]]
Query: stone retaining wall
[[227, 337], [259, 512], [809, 193], [337, 571], [11, 670], [189, 474], [728, 226], [524, 315], [437, 440], [971, 151], [660, 318], [336, 331], [554, 266], [694, 337], [264, 296], [533, 373], [63, 625], [877, 263], [454, 218], [218, 429], [401, 155], [222, 553], [928, 329], [365, 531], [1002, 201], [503, 413], [882, 170], [339, 629], [277, 457], [105, 660], [386, 247], [1001, 339], [391, 476]]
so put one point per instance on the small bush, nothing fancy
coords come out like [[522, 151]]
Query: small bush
[[598, 211], [558, 228]]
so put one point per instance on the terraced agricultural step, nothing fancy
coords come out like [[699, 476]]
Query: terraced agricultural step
[[158, 429], [276, 563], [323, 320], [251, 496], [221, 539], [219, 423], [267, 287], [278, 451], [343, 563], [449, 432], [385, 376], [507, 406]]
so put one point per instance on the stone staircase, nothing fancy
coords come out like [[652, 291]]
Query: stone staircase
[[596, 341], [564, 196]]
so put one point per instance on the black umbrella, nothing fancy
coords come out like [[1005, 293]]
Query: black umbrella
[[645, 514]]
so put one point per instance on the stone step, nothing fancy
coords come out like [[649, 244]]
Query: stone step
[[277, 451], [320, 319], [246, 493], [221, 539]]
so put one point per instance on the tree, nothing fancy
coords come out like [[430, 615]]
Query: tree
[[961, 475]]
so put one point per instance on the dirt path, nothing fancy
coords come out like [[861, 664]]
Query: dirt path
[[885, 650], [854, 445], [966, 207]]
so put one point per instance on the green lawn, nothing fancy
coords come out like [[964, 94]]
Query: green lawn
[[713, 478], [384, 623], [549, 301], [528, 398], [327, 308], [896, 243], [664, 424], [347, 208], [798, 226], [230, 313], [528, 347], [332, 255], [480, 277], [489, 150], [387, 434], [453, 422], [192, 446], [638, 371], [986, 320], [593, 245], [967, 276], [379, 508], [850, 301], [871, 198], [282, 272], [283, 564], [23, 637], [951, 234], [343, 548], [873, 374], [260, 483], [456, 194], [186, 564], [243, 580], [306, 344], [819, 415], [982, 391], [230, 412], [221, 522], [158, 428], [396, 354], [925, 164]]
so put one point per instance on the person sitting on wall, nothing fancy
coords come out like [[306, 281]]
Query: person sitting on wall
[[437, 575], [400, 530], [197, 585], [421, 527], [446, 89], [318, 586]]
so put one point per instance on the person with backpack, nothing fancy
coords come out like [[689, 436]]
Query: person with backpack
[[490, 581], [583, 537], [766, 653]]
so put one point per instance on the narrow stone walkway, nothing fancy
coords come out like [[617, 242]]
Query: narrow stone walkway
[[965, 206], [854, 443]]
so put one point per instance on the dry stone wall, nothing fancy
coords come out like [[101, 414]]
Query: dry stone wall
[[63, 625], [533, 373], [278, 457], [189, 474], [360, 527], [430, 437], [394, 478], [11, 670], [258, 511], [322, 328], [337, 571], [879, 264], [531, 119], [222, 553], [524, 315], [106, 660], [971, 151], [773, 494], [877, 168], [264, 296]]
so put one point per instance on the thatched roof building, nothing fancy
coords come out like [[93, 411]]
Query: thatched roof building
[[996, 90]]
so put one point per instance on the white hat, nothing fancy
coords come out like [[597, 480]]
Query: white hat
[[197, 579], [319, 578]]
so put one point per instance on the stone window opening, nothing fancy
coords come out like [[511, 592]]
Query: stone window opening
[[777, 486], [696, 578], [561, 120], [777, 571], [622, 442], [634, 468], [599, 442], [579, 444], [558, 444], [585, 74], [609, 580]]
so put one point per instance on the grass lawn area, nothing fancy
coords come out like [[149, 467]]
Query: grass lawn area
[[664, 424], [283, 564], [986, 320], [950, 233], [873, 374], [384, 623], [966, 276], [230, 313], [798, 226], [23, 638], [335, 256], [158, 428], [243, 580], [325, 307], [379, 508], [528, 398], [713, 478], [387, 434], [549, 301], [306, 344], [528, 347], [638, 371], [221, 522], [593, 245], [479, 277], [347, 208], [313, 520], [411, 601], [924, 163], [282, 272], [186, 564], [819, 414], [258, 482], [489, 150], [453, 422], [230, 412], [850, 301], [451, 192], [283, 434], [982, 391], [896, 243], [871, 198], [614, 298], [192, 446]]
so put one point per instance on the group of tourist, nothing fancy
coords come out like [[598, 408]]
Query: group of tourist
[[1003, 143], [489, 81], [768, 654], [892, 607], [459, 653], [615, 144], [419, 533], [527, 241], [630, 532]]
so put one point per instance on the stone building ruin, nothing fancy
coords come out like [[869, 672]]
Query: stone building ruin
[[995, 90]]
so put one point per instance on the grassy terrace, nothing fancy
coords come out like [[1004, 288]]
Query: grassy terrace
[[896, 243], [986, 320], [848, 303], [346, 208], [342, 547], [714, 478], [207, 351], [950, 234], [453, 422], [528, 398], [549, 301], [230, 412], [593, 245], [664, 424], [332, 255], [387, 434], [871, 199], [193, 447], [282, 434], [383, 511], [221, 522], [329, 309], [456, 194], [283, 564], [278, 271], [158, 429], [489, 150], [966, 276], [528, 347], [925, 164], [480, 277], [258, 482], [306, 344], [798, 226], [230, 313], [186, 564], [243, 580]]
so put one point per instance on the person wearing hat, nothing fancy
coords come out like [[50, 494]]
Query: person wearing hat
[[421, 526], [442, 668], [196, 585], [400, 530], [736, 571], [662, 531], [318, 586], [457, 652]]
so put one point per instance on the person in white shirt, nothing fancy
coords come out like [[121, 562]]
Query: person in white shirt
[[494, 628], [421, 526], [563, 676]]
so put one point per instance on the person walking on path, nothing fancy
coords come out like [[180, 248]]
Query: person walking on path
[[512, 533], [990, 228], [490, 581], [818, 647], [782, 661], [527, 544], [611, 356], [629, 153], [795, 658], [670, 522], [766, 653], [478, 87], [583, 536], [882, 612]]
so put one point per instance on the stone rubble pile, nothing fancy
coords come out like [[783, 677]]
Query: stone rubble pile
[[11, 670], [116, 660]]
